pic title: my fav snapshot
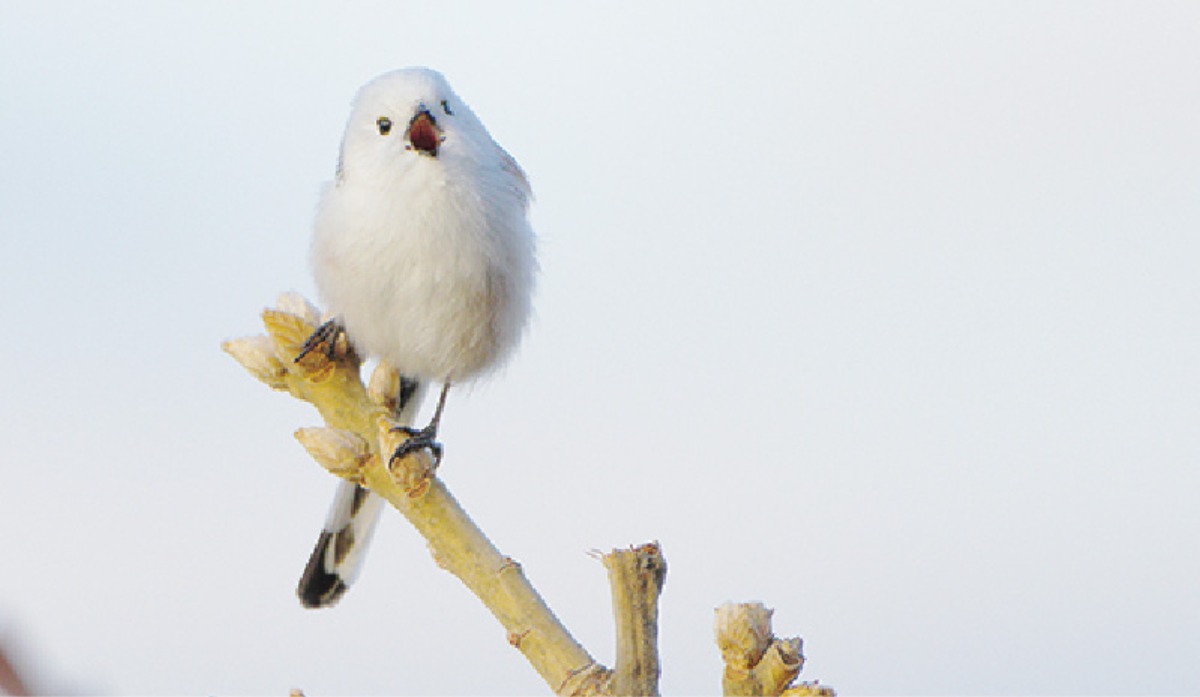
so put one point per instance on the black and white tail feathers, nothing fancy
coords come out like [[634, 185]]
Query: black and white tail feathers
[[338, 555]]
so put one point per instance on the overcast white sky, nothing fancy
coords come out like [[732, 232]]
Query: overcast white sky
[[883, 314]]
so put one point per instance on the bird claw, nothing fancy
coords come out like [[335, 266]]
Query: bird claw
[[418, 438], [328, 334]]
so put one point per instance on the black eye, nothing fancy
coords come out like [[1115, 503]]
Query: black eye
[[446, 108], [384, 124]]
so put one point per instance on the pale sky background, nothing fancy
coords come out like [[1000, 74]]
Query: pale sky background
[[883, 314]]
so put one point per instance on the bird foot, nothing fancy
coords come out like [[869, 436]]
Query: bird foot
[[328, 334], [418, 438]]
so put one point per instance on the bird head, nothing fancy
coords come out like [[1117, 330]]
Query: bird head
[[405, 116]]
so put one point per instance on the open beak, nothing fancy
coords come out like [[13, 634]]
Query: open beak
[[423, 133]]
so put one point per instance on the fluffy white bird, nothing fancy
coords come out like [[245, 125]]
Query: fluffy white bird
[[423, 252]]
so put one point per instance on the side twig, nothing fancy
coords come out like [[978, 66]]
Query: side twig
[[636, 576]]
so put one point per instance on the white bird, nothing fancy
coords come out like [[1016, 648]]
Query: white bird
[[423, 253]]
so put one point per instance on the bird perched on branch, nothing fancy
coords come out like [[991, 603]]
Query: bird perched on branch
[[423, 253]]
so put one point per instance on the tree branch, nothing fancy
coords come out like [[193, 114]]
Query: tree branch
[[356, 443]]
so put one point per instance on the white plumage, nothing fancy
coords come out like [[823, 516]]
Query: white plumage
[[427, 259], [422, 250]]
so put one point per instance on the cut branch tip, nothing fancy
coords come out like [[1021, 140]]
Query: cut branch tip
[[756, 662]]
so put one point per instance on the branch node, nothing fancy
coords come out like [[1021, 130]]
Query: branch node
[[514, 638], [591, 679], [413, 473], [509, 565]]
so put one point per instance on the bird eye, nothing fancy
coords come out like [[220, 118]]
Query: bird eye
[[384, 124], [446, 108]]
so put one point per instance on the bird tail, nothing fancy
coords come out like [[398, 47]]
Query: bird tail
[[338, 555]]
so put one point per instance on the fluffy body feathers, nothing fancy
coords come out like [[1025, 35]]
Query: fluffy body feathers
[[427, 259], [423, 251]]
